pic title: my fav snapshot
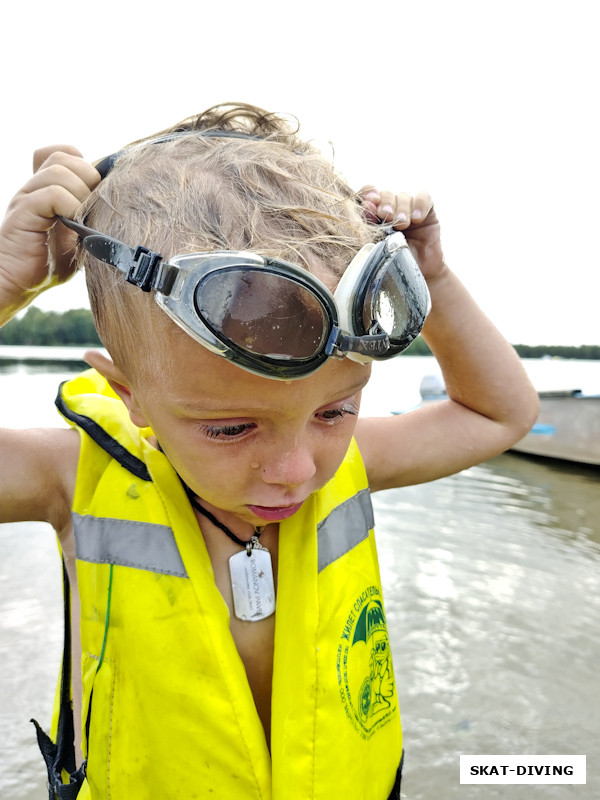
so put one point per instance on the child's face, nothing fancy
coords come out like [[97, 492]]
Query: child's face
[[252, 447]]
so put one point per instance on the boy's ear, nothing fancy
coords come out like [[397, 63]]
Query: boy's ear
[[119, 383]]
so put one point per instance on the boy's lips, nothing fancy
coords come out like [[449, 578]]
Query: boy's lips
[[274, 513]]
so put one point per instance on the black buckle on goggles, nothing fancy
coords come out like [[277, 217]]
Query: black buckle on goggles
[[146, 269], [143, 269]]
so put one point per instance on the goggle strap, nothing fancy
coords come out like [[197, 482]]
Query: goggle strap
[[106, 164], [143, 267], [341, 342]]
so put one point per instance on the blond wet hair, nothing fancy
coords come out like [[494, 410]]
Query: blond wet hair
[[274, 194]]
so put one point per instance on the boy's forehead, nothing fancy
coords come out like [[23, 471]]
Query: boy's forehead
[[192, 378]]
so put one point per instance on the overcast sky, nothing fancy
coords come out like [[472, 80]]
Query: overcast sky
[[492, 107]]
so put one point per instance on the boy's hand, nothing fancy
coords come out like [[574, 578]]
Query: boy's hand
[[491, 403], [415, 217], [31, 258]]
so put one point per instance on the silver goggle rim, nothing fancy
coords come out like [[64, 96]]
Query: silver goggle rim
[[379, 306]]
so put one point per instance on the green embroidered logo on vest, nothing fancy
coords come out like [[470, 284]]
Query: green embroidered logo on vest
[[364, 666]]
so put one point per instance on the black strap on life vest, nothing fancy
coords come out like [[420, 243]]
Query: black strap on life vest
[[60, 756], [395, 795], [116, 450]]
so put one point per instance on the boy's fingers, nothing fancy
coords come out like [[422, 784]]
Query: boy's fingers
[[36, 211], [59, 167], [369, 199], [401, 210], [369, 192], [30, 260], [54, 181], [422, 206], [386, 208], [412, 210], [43, 153], [390, 207], [60, 185]]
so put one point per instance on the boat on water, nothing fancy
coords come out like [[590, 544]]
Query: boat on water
[[567, 427]]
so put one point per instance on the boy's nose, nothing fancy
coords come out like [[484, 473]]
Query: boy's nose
[[290, 466]]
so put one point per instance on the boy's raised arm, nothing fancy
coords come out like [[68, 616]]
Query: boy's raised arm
[[30, 260], [37, 467], [491, 404]]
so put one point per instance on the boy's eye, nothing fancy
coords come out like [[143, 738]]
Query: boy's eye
[[226, 431], [331, 414]]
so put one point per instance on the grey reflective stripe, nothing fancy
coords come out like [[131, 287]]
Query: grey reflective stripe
[[344, 528], [141, 545]]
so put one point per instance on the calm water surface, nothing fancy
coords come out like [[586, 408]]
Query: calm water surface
[[492, 582]]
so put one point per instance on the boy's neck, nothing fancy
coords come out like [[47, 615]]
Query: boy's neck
[[201, 507]]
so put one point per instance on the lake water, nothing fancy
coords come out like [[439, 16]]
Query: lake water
[[492, 583]]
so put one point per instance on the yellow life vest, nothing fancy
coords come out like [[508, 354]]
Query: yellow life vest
[[171, 711]]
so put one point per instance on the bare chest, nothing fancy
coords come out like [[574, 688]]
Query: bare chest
[[254, 640]]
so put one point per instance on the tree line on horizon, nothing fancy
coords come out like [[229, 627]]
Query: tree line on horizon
[[76, 327], [37, 327], [587, 352]]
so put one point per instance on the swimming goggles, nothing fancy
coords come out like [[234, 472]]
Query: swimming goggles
[[274, 318]]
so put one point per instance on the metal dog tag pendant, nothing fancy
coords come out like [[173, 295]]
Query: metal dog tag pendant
[[252, 584]]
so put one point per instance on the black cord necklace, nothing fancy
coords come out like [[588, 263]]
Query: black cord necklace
[[252, 585], [249, 545]]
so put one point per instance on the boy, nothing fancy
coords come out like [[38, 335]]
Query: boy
[[216, 467]]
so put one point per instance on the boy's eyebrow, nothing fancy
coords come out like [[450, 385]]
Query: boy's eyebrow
[[215, 405]]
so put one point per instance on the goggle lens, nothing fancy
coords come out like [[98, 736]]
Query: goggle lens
[[396, 299], [262, 313]]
